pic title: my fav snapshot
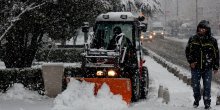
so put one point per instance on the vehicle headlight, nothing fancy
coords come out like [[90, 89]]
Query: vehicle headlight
[[150, 37], [162, 33], [142, 37], [154, 33], [99, 73], [112, 73]]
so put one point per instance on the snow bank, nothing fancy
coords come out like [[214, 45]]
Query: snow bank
[[182, 70], [218, 94], [2, 65], [18, 92], [80, 96]]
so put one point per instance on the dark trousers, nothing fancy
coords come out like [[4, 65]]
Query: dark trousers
[[206, 75]]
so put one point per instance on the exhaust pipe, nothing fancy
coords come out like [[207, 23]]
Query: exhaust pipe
[[85, 30]]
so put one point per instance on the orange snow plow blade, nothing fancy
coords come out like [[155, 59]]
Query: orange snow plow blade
[[118, 86]]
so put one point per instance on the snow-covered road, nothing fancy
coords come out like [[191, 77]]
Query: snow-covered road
[[181, 98]]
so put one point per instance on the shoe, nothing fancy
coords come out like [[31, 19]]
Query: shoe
[[196, 104], [207, 104], [207, 107]]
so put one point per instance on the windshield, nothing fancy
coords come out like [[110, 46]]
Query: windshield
[[104, 33]]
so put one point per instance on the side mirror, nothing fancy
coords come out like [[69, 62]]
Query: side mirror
[[143, 27], [85, 27], [141, 18]]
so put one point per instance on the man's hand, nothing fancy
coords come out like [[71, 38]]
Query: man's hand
[[215, 71], [193, 65]]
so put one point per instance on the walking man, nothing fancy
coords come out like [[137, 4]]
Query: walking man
[[202, 54]]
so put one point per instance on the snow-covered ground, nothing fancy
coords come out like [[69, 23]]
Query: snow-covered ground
[[79, 96]]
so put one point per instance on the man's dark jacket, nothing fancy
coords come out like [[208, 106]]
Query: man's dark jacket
[[203, 49]]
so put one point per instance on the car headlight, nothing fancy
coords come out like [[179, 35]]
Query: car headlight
[[99, 73], [142, 37], [154, 33], [112, 73], [150, 37]]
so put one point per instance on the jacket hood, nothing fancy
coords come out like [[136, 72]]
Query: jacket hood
[[204, 24]]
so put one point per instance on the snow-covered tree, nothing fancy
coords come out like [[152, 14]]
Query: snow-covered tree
[[20, 31], [24, 23], [147, 7]]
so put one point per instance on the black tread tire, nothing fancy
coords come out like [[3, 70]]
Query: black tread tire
[[144, 83], [135, 82]]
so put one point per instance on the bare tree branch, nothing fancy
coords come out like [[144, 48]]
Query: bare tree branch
[[17, 18]]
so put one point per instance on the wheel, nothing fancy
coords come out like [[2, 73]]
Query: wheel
[[135, 82], [144, 83]]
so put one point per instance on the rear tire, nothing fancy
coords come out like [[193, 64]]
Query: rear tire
[[144, 83], [135, 81]]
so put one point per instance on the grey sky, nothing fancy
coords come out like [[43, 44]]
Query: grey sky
[[207, 9]]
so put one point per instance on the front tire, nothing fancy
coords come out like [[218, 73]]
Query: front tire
[[144, 83], [135, 81]]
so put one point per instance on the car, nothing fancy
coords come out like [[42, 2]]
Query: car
[[146, 36], [157, 30]]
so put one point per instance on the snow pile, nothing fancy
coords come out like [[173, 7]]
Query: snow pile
[[2, 65], [218, 91], [18, 92], [80, 96], [218, 94]]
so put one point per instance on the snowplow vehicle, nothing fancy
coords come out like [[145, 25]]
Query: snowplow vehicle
[[119, 64]]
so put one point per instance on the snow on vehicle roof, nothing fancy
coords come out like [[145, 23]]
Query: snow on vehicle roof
[[117, 16]]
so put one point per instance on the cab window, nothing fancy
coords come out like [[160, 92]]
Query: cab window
[[104, 33]]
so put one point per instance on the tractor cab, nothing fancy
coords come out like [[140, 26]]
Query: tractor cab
[[105, 44]]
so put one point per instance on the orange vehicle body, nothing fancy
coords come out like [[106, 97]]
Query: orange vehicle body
[[118, 86]]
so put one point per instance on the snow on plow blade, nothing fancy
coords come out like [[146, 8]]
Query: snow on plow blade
[[118, 86]]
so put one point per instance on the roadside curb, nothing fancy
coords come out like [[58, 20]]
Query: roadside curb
[[169, 67]]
